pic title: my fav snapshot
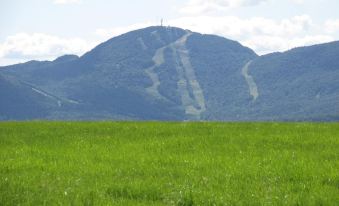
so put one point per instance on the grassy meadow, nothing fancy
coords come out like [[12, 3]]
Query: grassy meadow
[[151, 163]]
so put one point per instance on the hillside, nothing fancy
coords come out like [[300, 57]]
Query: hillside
[[167, 73], [300, 84]]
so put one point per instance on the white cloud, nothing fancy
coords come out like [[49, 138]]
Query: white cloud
[[235, 26], [298, 1], [66, 1], [208, 6], [39, 46], [267, 44], [264, 35], [202, 7], [332, 25], [112, 32]]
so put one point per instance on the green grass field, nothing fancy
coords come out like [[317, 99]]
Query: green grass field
[[127, 163]]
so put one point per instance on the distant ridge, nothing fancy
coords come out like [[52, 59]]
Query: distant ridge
[[168, 73]]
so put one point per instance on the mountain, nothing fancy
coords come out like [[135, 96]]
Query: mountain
[[167, 73], [300, 84]]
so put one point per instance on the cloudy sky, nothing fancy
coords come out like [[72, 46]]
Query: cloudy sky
[[45, 29]]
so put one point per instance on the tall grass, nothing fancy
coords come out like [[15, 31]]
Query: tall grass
[[127, 163]]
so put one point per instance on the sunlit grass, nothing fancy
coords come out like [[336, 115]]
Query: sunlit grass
[[127, 163]]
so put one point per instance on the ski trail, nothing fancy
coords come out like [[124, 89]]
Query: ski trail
[[47, 95], [182, 85], [142, 43], [58, 100], [250, 81], [157, 36], [187, 79], [193, 104], [158, 59]]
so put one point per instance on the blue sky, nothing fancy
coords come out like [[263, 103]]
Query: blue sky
[[45, 29]]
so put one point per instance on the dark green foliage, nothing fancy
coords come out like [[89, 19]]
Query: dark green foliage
[[169, 78], [18, 101], [300, 84], [218, 62], [108, 82]]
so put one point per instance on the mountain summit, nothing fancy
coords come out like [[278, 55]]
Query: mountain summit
[[167, 73]]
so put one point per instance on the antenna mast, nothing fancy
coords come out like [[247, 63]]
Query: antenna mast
[[161, 21]]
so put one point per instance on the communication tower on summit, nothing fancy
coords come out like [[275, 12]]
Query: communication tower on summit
[[161, 22]]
